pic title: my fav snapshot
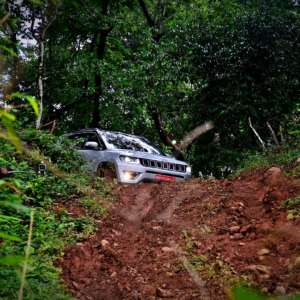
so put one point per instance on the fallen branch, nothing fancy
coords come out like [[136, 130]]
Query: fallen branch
[[257, 135]]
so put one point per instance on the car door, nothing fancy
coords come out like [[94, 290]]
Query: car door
[[91, 155]]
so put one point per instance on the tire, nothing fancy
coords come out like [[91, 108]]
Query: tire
[[107, 171]]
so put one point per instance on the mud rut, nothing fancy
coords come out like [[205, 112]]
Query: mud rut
[[143, 249]]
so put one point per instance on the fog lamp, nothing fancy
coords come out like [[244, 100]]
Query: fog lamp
[[129, 175]]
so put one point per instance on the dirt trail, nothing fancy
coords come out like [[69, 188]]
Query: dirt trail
[[190, 241]]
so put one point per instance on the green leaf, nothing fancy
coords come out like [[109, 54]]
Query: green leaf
[[10, 237], [6, 115], [32, 101], [16, 206], [6, 219], [11, 260], [245, 293]]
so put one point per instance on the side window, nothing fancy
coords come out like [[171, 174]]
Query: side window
[[93, 137], [77, 140], [81, 138]]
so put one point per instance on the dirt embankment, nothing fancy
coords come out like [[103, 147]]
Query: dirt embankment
[[191, 240]]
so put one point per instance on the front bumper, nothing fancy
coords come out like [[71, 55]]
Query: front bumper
[[136, 173]]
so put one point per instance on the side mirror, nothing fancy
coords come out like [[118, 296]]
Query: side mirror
[[91, 145]]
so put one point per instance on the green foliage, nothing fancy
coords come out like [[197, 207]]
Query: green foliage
[[293, 207], [93, 207], [202, 60], [52, 230], [246, 293], [274, 157], [57, 150]]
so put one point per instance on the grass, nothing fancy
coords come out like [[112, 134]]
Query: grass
[[283, 156], [52, 230], [293, 207]]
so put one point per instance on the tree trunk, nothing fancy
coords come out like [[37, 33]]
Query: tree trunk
[[41, 40], [100, 44], [40, 82]]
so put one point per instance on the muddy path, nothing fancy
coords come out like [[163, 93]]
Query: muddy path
[[192, 240]]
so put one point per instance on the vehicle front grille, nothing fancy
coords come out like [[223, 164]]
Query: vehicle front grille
[[163, 165]]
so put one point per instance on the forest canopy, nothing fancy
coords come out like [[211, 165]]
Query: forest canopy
[[160, 69]]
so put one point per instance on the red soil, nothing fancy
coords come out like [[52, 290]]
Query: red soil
[[146, 248]]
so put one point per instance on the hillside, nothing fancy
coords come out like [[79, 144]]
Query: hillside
[[193, 240]]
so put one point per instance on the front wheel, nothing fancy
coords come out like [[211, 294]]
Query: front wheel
[[107, 171]]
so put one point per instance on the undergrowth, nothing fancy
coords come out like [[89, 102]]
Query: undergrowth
[[65, 180], [283, 157]]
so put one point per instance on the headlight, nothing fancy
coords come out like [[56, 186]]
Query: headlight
[[130, 159], [188, 169]]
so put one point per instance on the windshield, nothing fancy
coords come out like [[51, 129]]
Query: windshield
[[128, 142]]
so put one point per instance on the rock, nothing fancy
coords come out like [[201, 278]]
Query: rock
[[263, 277], [162, 293], [242, 244], [297, 261], [116, 232], [234, 229], [198, 244], [236, 236], [245, 229], [104, 243], [273, 176], [167, 249], [280, 290], [263, 252], [260, 268], [252, 235], [156, 227], [263, 269], [113, 274], [296, 264]]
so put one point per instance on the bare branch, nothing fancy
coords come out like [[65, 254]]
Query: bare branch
[[273, 134], [195, 133], [282, 139], [257, 135], [4, 19]]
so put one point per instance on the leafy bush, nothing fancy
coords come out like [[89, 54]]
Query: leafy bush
[[52, 230], [284, 156]]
